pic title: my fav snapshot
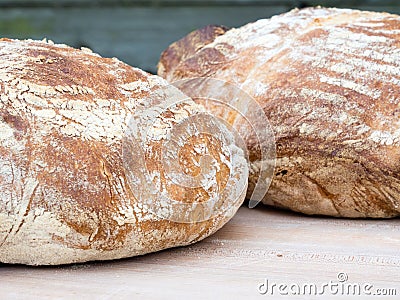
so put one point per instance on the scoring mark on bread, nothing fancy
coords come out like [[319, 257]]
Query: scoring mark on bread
[[29, 188]]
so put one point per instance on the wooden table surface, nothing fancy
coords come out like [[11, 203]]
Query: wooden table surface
[[257, 246]]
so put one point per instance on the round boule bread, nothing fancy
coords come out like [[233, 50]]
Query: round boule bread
[[74, 186], [328, 80]]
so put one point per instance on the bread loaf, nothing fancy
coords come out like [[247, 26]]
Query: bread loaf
[[91, 167], [328, 80]]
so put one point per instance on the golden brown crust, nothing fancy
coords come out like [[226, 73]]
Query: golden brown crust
[[182, 50], [65, 191], [328, 82]]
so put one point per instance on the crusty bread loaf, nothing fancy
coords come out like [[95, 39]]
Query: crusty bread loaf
[[328, 80], [74, 185]]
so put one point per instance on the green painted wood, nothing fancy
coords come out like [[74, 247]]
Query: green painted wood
[[136, 3]]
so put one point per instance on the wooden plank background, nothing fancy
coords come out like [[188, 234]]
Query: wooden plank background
[[138, 31]]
